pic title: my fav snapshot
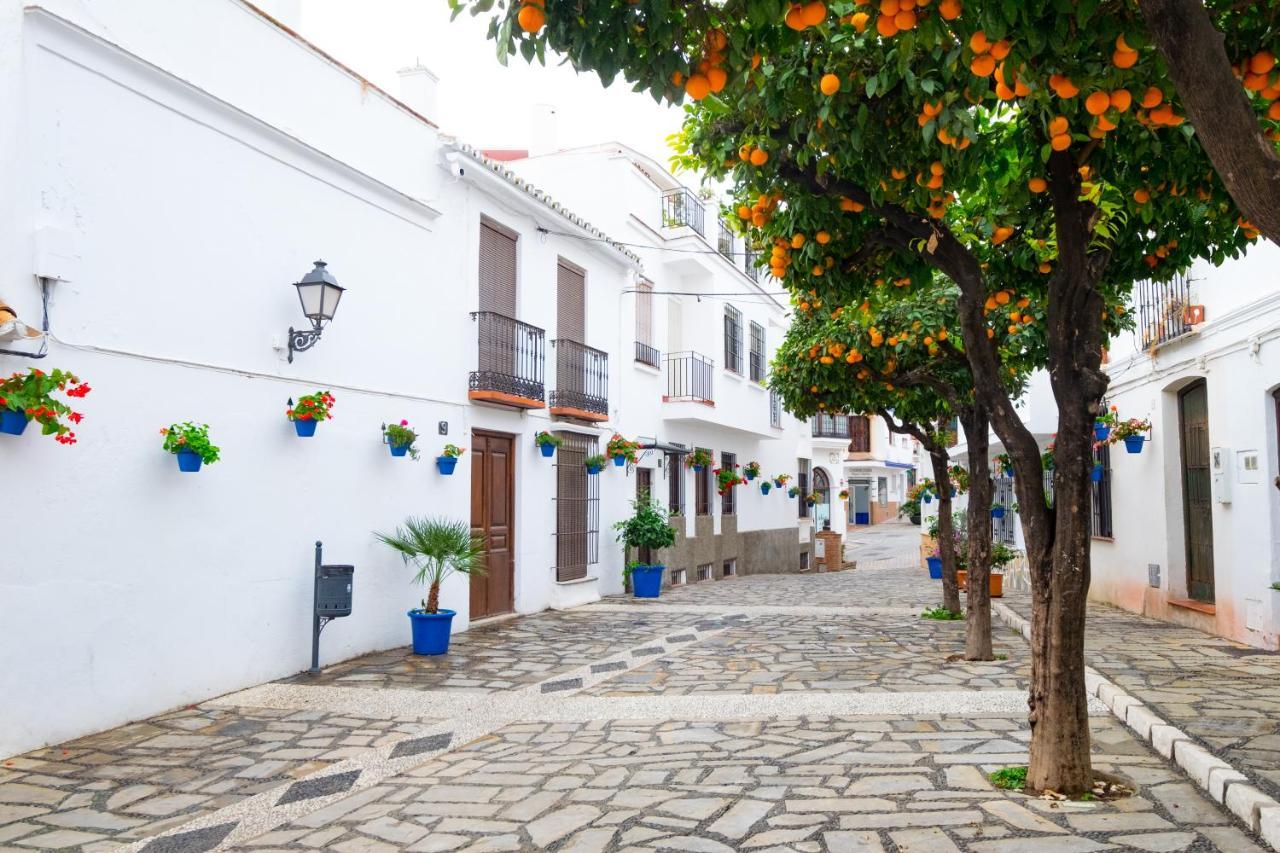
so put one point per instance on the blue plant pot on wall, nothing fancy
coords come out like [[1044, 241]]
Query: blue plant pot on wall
[[935, 567], [1101, 431], [398, 449], [593, 469], [13, 422], [446, 464], [646, 581], [765, 487], [1096, 474], [1133, 443], [697, 469], [431, 631], [928, 499], [188, 462], [750, 476], [619, 461], [997, 512], [305, 429], [548, 450]]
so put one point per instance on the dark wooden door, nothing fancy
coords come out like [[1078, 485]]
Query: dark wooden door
[[1197, 504], [493, 517]]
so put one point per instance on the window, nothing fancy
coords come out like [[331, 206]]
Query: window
[[704, 572], [757, 353], [497, 269], [882, 486], [644, 488], [730, 568], [1002, 529], [1101, 515], [577, 507], [646, 352], [732, 339], [775, 409], [675, 480], [859, 434], [804, 561], [802, 483], [702, 490], [727, 503], [677, 577]]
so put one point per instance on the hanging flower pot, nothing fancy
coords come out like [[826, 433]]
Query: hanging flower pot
[[928, 499], [752, 470], [190, 443], [310, 410], [1096, 474], [698, 459], [401, 439], [622, 451], [13, 422], [793, 492], [398, 449], [765, 487], [189, 462], [594, 464], [547, 450], [619, 461], [305, 428], [1133, 443], [547, 443], [997, 511], [449, 459], [29, 396], [935, 567], [1101, 430]]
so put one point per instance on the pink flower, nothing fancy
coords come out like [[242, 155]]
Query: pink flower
[[404, 423]]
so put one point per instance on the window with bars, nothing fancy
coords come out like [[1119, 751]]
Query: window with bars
[[859, 434], [802, 483], [702, 490], [1002, 529], [775, 409], [727, 504], [644, 491], [1101, 515], [675, 479], [732, 339], [577, 507], [757, 353]]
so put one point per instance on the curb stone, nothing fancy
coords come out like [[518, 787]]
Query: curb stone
[[1226, 785]]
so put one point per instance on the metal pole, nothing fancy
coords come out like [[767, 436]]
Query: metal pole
[[315, 615]]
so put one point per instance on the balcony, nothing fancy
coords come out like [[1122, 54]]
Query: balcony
[[646, 354], [831, 426], [582, 382], [689, 377], [681, 209], [1162, 308], [749, 259], [511, 362]]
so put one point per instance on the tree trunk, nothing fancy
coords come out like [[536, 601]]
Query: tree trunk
[[1219, 108], [977, 636], [946, 534], [432, 604]]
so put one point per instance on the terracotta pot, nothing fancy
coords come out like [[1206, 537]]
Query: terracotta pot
[[995, 583], [962, 579]]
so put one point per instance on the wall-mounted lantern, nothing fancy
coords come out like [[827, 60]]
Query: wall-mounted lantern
[[320, 294]]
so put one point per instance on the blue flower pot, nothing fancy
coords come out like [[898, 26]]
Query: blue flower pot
[[997, 512], [928, 499], [431, 631], [750, 476], [765, 487], [1133, 443], [593, 469], [189, 462], [306, 429], [1096, 474], [646, 581], [698, 469], [446, 464], [1101, 431], [548, 450], [13, 422], [398, 449], [935, 567], [619, 461]]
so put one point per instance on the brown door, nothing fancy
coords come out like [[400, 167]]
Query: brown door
[[492, 516], [1197, 506]]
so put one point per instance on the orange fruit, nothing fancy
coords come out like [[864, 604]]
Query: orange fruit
[[1273, 112], [983, 65], [795, 18], [1255, 82], [1068, 90], [859, 21], [1000, 49], [813, 13], [1122, 45], [677, 79], [1262, 62], [1061, 142], [1105, 124], [1152, 97], [531, 18], [797, 240], [744, 212], [1058, 125], [949, 9], [905, 20], [697, 87], [829, 84], [1097, 103], [978, 42], [717, 78], [1141, 196], [1121, 100], [822, 237], [932, 109], [1124, 58], [1037, 185], [886, 27], [889, 7]]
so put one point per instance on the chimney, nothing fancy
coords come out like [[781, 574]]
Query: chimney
[[543, 130], [418, 89], [287, 12]]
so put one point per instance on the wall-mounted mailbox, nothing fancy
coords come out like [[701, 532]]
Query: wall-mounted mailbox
[[333, 597]]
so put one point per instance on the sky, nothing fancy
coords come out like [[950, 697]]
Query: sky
[[480, 101]]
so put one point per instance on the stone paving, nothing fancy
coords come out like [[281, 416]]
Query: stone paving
[[803, 713]]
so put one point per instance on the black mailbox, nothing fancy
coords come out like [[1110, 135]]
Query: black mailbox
[[333, 593]]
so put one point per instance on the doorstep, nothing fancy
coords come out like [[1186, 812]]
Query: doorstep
[[1192, 604]]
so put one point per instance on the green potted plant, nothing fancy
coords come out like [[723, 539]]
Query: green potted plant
[[622, 451], [594, 463], [781, 481], [1104, 423], [726, 479], [698, 459], [27, 397], [190, 443], [310, 410], [752, 470], [793, 491], [401, 439], [1001, 556], [547, 443], [448, 458], [437, 548], [1004, 464], [648, 527], [1132, 432], [997, 510]]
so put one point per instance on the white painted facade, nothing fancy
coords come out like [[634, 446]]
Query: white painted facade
[[181, 194]]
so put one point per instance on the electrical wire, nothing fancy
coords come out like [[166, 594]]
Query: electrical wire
[[647, 245]]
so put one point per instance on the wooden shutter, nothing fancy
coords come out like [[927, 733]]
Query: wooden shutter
[[644, 313], [571, 315], [497, 270]]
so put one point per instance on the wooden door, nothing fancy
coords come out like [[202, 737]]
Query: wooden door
[[1197, 505], [493, 517]]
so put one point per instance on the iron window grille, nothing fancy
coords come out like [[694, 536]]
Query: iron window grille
[[646, 354], [727, 503], [757, 353], [1100, 517], [702, 490], [689, 377], [511, 356], [802, 483], [724, 241], [680, 208], [582, 377], [775, 409], [675, 484], [577, 507], [1002, 529], [749, 259], [732, 339], [1162, 309], [830, 426]]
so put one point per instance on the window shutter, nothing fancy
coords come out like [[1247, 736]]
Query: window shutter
[[571, 287], [497, 270], [644, 313]]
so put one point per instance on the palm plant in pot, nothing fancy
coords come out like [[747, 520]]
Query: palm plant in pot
[[437, 548], [648, 527]]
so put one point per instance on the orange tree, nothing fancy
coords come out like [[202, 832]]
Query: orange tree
[[1016, 149]]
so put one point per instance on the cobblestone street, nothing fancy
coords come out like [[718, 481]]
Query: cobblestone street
[[772, 713]]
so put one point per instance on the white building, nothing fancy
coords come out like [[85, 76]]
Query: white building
[[165, 199]]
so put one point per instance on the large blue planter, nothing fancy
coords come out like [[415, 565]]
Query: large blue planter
[[398, 449], [1101, 431], [305, 429], [935, 567], [1096, 474], [997, 512], [765, 487], [13, 422], [446, 464], [1133, 443], [548, 450], [431, 631], [593, 469], [189, 462], [619, 461], [646, 581]]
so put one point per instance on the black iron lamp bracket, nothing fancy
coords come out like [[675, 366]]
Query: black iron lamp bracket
[[301, 340]]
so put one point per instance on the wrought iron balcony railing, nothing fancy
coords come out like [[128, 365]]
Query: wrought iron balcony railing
[[1162, 309], [646, 354], [689, 377], [582, 381], [510, 363], [680, 207], [830, 426]]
